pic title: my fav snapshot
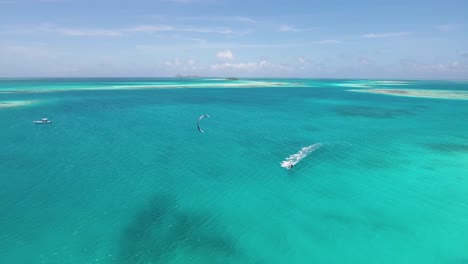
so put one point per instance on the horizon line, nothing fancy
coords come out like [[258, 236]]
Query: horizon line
[[218, 77]]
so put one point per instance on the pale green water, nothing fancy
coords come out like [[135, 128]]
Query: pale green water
[[125, 177]]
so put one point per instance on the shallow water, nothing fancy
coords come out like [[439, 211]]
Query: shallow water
[[125, 177]]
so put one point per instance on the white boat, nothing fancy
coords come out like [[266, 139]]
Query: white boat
[[42, 121]]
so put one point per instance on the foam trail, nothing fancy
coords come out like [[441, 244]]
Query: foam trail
[[295, 158]]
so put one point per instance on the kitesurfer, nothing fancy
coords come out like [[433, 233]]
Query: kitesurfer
[[198, 123]]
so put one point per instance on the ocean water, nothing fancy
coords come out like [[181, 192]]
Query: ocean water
[[124, 176]]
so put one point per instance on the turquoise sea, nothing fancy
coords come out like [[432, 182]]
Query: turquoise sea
[[123, 176]]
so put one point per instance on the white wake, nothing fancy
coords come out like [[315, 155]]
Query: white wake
[[292, 160]]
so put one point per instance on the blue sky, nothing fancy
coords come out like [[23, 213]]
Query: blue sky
[[257, 38]]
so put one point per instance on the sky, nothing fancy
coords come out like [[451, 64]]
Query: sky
[[417, 39]]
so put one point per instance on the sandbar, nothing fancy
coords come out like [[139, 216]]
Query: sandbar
[[437, 94], [370, 83], [227, 84], [10, 104]]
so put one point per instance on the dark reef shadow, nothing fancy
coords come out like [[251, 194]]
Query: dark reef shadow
[[371, 112], [371, 221], [310, 128], [448, 147], [160, 228], [382, 162]]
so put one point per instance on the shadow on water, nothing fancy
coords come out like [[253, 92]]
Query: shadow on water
[[372, 112], [448, 147], [161, 231], [382, 161], [310, 128], [372, 221]]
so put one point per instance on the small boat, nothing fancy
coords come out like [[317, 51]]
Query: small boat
[[42, 121]]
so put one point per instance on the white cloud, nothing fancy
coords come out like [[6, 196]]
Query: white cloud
[[190, 66], [206, 30], [219, 18], [446, 27], [116, 32], [385, 35], [237, 66], [32, 51], [178, 42], [262, 65], [218, 45], [267, 65], [150, 28], [329, 41], [303, 60], [365, 60], [88, 32], [180, 62], [287, 28], [168, 28], [435, 68], [173, 62], [225, 55]]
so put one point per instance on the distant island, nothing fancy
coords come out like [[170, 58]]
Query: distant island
[[232, 78]]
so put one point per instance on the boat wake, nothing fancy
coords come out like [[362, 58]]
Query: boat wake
[[292, 160]]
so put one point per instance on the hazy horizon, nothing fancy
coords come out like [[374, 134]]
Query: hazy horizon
[[310, 39], [225, 77]]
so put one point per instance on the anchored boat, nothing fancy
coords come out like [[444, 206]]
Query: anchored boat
[[42, 121]]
